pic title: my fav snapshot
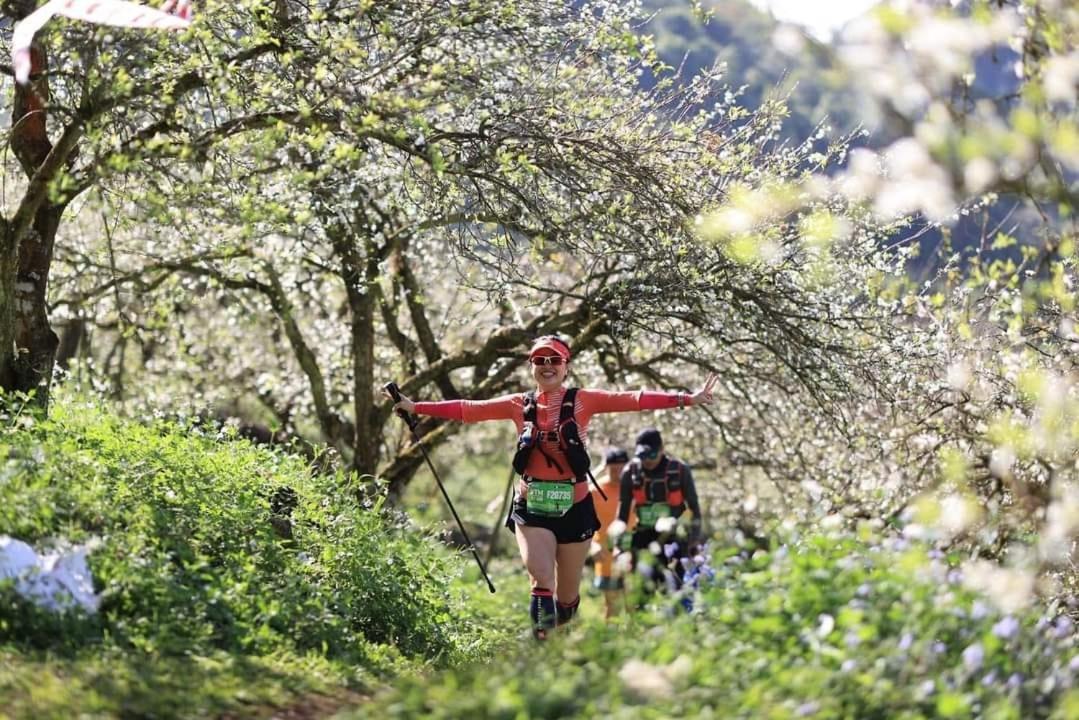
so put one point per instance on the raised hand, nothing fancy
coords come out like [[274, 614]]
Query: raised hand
[[704, 395]]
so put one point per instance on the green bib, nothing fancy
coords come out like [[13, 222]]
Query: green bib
[[550, 499], [647, 515]]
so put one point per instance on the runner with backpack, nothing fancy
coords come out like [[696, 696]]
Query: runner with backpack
[[552, 515], [605, 497], [659, 489]]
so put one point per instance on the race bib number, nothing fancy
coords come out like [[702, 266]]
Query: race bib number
[[550, 499], [647, 515]]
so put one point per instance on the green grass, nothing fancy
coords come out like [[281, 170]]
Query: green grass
[[207, 604], [100, 682]]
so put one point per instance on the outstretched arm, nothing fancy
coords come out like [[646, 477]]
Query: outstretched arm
[[602, 401], [501, 408]]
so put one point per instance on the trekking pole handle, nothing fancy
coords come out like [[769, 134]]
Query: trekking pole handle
[[395, 393]]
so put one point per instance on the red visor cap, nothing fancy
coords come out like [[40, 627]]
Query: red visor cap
[[549, 346]]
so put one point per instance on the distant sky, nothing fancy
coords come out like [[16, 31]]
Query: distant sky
[[821, 17]]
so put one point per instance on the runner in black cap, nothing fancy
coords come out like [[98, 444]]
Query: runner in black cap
[[659, 489]]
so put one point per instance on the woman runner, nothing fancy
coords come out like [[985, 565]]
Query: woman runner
[[553, 516]]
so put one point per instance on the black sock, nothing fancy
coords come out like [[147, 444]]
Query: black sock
[[542, 608], [566, 611]]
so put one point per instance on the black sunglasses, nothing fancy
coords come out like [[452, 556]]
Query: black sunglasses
[[650, 455], [547, 360]]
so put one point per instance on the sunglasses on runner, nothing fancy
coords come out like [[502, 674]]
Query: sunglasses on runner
[[650, 455], [547, 360]]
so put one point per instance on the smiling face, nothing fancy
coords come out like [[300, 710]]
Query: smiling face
[[548, 370]]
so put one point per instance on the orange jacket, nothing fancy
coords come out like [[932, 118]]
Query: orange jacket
[[607, 511]]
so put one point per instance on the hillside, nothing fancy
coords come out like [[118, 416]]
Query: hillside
[[230, 578]]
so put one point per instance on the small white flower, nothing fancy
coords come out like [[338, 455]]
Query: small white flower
[[1006, 628], [959, 375], [973, 656], [1001, 461], [979, 174], [666, 524], [788, 40], [1061, 78]]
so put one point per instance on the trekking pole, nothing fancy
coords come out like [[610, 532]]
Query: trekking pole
[[501, 514], [412, 421]]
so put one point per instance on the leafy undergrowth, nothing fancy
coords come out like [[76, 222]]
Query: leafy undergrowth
[[823, 627], [216, 601], [231, 577]]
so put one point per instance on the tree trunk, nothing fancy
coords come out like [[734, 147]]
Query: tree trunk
[[358, 275], [29, 343], [9, 262], [35, 341], [71, 341]]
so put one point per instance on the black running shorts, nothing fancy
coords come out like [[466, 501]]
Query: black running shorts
[[579, 523]]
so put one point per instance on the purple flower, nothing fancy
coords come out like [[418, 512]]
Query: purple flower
[[863, 590], [1073, 665], [1015, 681], [973, 656], [906, 641], [852, 640], [670, 549], [939, 647], [1062, 628], [928, 687], [1006, 628], [955, 576], [978, 610], [848, 665], [990, 678], [807, 709]]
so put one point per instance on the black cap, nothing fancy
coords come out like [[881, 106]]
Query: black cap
[[647, 441], [614, 456]]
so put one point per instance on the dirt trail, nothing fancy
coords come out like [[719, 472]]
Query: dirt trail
[[316, 706]]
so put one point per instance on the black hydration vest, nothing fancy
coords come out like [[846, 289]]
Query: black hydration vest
[[567, 435], [668, 489]]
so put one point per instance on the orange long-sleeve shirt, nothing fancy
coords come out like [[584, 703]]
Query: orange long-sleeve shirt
[[548, 405]]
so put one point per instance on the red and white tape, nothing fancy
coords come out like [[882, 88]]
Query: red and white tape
[[173, 15]]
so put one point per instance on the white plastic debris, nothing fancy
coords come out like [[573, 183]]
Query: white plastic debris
[[55, 580]]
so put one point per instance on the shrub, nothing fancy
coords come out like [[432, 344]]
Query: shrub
[[189, 560], [823, 627]]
